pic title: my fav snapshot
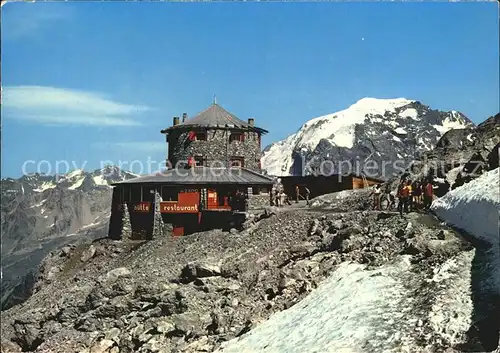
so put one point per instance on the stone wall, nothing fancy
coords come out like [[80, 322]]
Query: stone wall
[[216, 149]]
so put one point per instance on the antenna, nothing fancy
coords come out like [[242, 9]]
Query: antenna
[[215, 99]]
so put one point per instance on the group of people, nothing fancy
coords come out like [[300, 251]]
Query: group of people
[[280, 198], [411, 196], [415, 195]]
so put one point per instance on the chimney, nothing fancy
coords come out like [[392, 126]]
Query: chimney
[[184, 117], [251, 121], [176, 120]]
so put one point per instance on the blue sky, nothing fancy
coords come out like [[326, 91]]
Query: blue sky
[[94, 81]]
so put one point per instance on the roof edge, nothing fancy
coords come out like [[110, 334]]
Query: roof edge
[[214, 127]]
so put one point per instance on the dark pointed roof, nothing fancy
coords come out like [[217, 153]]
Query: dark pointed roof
[[215, 116]]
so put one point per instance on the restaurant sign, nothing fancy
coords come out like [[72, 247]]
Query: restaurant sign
[[175, 207], [142, 207]]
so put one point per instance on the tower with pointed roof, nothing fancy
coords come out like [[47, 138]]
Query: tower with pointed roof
[[214, 138]]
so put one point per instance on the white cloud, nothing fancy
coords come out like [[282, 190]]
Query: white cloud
[[25, 19], [59, 106], [137, 146]]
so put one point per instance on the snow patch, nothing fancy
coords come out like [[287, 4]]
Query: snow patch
[[278, 159], [440, 180], [452, 308], [45, 186], [39, 204], [99, 180], [401, 131], [449, 124], [409, 113], [475, 208], [74, 173], [354, 310], [452, 174], [77, 183]]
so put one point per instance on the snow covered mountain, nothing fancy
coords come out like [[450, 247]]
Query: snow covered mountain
[[42, 212], [389, 130], [77, 179]]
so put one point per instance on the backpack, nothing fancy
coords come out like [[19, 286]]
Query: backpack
[[404, 192]]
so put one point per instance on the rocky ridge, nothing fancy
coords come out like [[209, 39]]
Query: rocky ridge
[[40, 213], [460, 156], [192, 294]]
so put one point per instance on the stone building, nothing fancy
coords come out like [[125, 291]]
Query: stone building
[[214, 138], [213, 177]]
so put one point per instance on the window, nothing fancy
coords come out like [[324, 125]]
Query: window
[[237, 162], [201, 136], [136, 193], [148, 193], [169, 193], [200, 161], [237, 136]]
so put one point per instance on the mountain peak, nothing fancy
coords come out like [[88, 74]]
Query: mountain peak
[[381, 129], [371, 103]]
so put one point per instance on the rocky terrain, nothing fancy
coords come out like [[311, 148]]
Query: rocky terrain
[[393, 131], [40, 213], [199, 293], [460, 156]]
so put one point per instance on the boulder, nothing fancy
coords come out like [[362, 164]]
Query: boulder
[[88, 254], [113, 275], [193, 271], [102, 346]]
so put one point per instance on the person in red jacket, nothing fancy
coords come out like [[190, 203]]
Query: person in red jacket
[[403, 195], [428, 194]]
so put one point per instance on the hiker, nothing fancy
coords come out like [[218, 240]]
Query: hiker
[[297, 193], [403, 194], [282, 198], [392, 200], [308, 192], [273, 196], [410, 195], [377, 193], [416, 193], [428, 195], [281, 193]]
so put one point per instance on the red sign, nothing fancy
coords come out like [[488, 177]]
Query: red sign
[[175, 207], [142, 207], [189, 198]]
